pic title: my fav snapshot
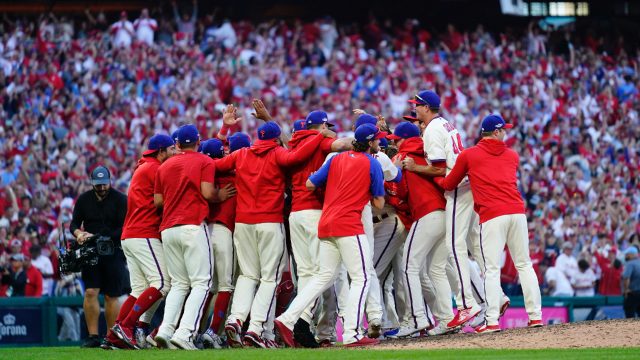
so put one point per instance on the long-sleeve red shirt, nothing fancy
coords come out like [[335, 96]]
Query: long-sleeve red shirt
[[143, 218], [492, 169], [260, 178]]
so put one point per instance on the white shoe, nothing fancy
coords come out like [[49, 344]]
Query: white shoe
[[441, 329], [211, 340], [151, 341], [163, 342], [141, 339], [479, 319], [183, 344], [407, 330]]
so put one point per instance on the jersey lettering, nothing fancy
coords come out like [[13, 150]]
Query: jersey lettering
[[457, 146]]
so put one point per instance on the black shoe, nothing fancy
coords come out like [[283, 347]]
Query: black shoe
[[93, 341], [303, 336]]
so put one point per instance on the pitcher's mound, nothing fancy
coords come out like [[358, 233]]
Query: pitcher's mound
[[588, 334]]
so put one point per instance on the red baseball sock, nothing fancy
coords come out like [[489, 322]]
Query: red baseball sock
[[126, 308], [220, 310], [144, 302]]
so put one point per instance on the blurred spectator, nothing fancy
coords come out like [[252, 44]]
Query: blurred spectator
[[611, 274], [122, 32], [186, 24], [43, 264], [557, 283], [22, 278], [566, 263], [145, 28], [584, 280], [631, 283]]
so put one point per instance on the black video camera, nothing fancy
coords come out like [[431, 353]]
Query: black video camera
[[78, 256]]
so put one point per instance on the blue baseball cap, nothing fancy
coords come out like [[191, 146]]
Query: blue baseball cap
[[366, 119], [269, 130], [427, 97], [174, 135], [404, 130], [384, 143], [238, 140], [188, 134], [299, 125], [632, 250], [493, 122], [368, 132], [413, 117], [318, 117], [100, 176], [157, 142], [212, 148]]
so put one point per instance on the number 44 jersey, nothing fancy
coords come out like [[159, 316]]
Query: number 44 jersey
[[442, 143]]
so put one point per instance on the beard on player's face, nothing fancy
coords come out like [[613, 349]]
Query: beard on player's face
[[375, 146]]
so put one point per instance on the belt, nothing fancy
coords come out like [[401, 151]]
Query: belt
[[379, 218]]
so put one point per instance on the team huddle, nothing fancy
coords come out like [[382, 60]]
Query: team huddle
[[384, 228]]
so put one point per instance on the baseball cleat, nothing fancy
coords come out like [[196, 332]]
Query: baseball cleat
[[183, 344], [125, 334], [285, 333], [254, 340], [303, 335], [162, 342], [442, 329], [463, 316], [391, 333], [140, 338], [365, 341], [271, 344], [479, 319], [505, 305], [485, 329], [233, 330], [375, 328], [535, 323], [211, 340], [326, 343], [406, 331]]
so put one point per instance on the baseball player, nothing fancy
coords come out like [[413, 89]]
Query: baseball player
[[221, 223], [492, 171], [442, 144], [351, 178], [141, 242], [386, 235], [306, 209], [426, 236], [183, 188], [259, 236]]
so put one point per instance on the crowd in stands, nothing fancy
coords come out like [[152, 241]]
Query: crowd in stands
[[78, 92]]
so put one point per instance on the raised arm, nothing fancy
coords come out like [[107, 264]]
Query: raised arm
[[286, 158]]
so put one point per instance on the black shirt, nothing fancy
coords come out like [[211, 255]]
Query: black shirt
[[104, 217]]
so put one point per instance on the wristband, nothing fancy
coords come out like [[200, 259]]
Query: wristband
[[224, 130]]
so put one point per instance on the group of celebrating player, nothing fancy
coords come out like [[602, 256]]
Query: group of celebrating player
[[372, 237]]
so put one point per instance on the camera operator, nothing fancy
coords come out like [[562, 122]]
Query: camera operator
[[101, 211]]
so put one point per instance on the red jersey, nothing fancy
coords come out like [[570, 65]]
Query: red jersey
[[34, 282], [423, 195], [492, 170], [611, 277], [351, 179], [303, 199], [178, 180], [143, 218], [224, 212], [260, 178]]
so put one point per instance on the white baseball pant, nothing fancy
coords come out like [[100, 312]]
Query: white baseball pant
[[512, 231], [374, 302], [187, 251], [389, 235], [262, 257], [353, 252], [426, 240], [224, 254], [461, 217], [147, 268]]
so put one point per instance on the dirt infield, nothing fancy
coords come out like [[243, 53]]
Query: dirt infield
[[588, 334]]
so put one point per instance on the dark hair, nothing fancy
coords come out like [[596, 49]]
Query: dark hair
[[487, 133], [617, 264], [360, 146], [583, 264], [188, 146], [313, 126]]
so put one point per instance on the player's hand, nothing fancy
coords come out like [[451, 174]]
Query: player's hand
[[398, 162], [328, 133], [409, 164], [358, 112], [261, 111], [226, 192], [229, 116]]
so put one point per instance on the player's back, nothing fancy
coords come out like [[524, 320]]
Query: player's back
[[347, 192], [442, 142], [142, 218]]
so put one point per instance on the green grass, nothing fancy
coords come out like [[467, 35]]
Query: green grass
[[301, 354]]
